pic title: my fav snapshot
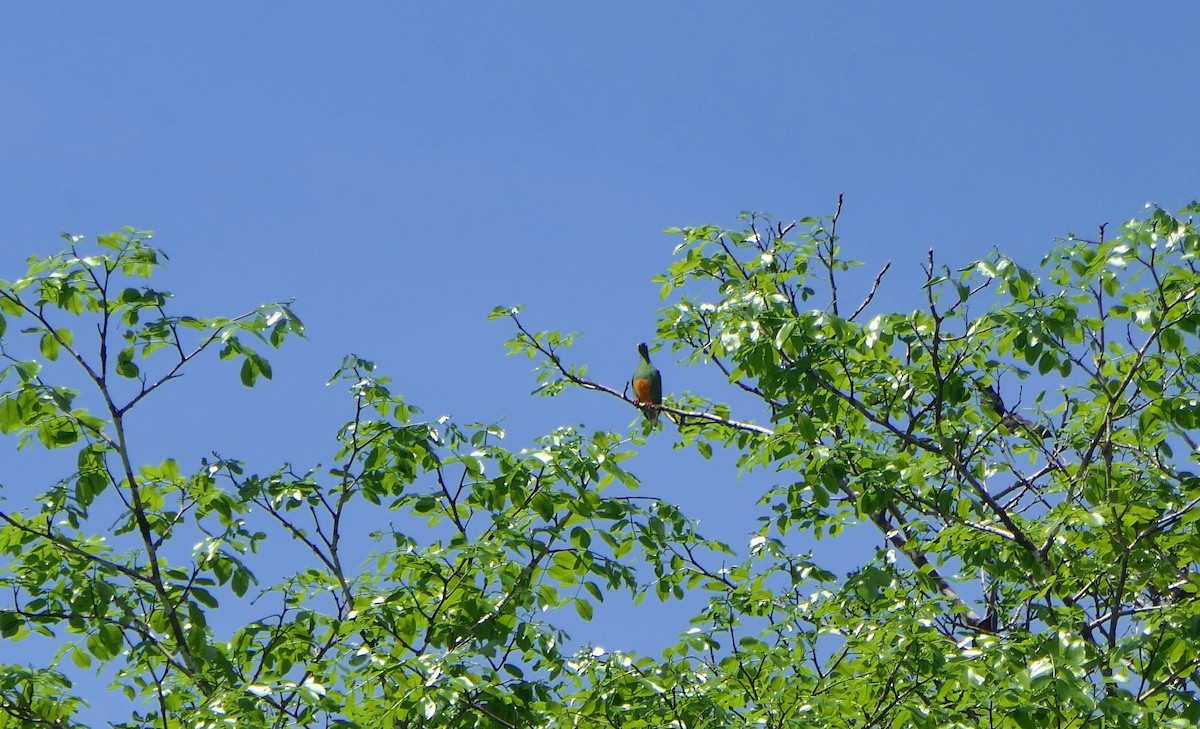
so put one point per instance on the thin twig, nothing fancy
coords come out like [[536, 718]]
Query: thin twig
[[871, 293], [832, 242]]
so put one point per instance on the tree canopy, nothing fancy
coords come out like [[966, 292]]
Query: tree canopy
[[1023, 444]]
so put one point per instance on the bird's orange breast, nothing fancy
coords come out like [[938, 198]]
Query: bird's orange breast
[[641, 389]]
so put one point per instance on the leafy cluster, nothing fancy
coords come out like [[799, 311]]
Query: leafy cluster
[[442, 626], [1023, 443]]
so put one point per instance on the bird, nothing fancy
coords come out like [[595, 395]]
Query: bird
[[647, 384], [1009, 419]]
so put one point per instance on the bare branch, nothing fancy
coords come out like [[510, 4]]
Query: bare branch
[[871, 293]]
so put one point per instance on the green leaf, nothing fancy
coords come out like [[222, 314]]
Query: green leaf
[[249, 372], [80, 658], [111, 637], [1046, 363], [425, 505], [263, 366], [240, 582], [804, 425], [57, 432], [503, 312], [205, 598], [580, 538], [543, 505], [49, 346], [28, 370], [1172, 340], [125, 365], [10, 624], [11, 417]]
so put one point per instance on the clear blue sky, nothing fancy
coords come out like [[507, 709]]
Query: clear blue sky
[[399, 169]]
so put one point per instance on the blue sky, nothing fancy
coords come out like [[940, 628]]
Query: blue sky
[[400, 169]]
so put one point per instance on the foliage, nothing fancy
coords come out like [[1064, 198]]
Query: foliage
[[442, 627], [1023, 442]]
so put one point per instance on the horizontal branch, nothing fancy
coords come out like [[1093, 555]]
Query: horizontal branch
[[68, 546], [597, 387]]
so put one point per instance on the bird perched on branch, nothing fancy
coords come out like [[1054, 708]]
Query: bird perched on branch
[[1009, 418], [647, 384]]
